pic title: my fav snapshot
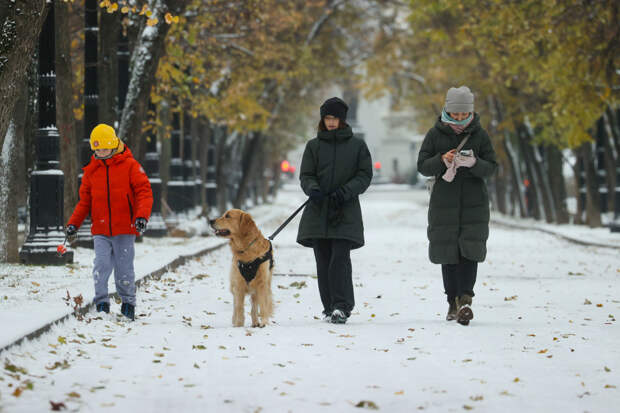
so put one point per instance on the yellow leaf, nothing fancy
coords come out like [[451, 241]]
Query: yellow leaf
[[18, 392], [152, 22], [168, 18], [74, 394], [399, 393], [125, 10]]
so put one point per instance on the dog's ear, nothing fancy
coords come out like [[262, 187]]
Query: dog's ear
[[247, 224]]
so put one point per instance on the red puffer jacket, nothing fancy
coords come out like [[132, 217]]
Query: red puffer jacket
[[115, 191]]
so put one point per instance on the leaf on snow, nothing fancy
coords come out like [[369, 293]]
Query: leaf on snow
[[367, 404], [56, 407]]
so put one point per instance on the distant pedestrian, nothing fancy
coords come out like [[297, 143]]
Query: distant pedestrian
[[117, 194], [336, 168], [458, 217]]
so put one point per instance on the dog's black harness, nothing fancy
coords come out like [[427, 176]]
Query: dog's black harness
[[248, 270]]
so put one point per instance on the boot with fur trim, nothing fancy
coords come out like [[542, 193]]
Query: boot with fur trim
[[452, 310], [464, 313]]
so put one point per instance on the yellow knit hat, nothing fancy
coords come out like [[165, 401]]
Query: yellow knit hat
[[103, 137]]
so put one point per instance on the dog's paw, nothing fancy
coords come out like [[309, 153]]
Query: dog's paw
[[258, 325]]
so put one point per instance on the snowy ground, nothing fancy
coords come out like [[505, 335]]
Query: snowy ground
[[544, 336]]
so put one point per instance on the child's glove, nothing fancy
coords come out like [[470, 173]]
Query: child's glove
[[141, 225], [71, 233]]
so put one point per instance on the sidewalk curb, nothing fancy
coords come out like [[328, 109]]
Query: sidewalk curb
[[556, 234], [177, 262]]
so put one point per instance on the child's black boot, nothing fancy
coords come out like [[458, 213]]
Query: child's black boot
[[128, 311], [103, 306]]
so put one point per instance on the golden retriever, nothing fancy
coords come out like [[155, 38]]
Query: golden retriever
[[252, 266]]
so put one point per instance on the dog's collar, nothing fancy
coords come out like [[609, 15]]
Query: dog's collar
[[248, 247]]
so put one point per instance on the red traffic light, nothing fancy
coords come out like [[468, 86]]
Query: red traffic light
[[285, 166], [377, 165]]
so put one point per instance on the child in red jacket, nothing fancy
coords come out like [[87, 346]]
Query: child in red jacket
[[117, 194]]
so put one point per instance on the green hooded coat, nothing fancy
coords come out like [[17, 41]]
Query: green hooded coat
[[334, 159], [458, 213]]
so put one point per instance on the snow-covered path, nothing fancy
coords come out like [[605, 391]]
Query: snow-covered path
[[544, 336]]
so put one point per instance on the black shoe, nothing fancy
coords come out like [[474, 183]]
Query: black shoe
[[452, 310], [128, 311], [103, 306], [338, 317]]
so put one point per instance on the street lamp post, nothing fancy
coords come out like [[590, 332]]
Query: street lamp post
[[175, 184], [156, 227], [47, 180]]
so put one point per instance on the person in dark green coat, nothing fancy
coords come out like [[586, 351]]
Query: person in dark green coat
[[458, 213], [335, 169]]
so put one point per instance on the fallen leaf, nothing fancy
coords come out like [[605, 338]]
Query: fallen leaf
[[62, 340], [74, 394], [599, 305], [18, 392], [511, 298], [56, 407], [198, 347], [13, 368], [476, 398], [516, 380], [467, 407], [610, 386], [607, 369], [399, 393], [587, 302], [367, 404], [542, 351]]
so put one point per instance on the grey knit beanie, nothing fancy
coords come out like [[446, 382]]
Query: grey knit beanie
[[459, 100]]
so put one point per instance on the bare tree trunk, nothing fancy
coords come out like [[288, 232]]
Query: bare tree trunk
[[20, 24], [205, 141], [557, 183], [592, 207], [532, 192], [512, 160], [64, 105], [220, 175], [9, 180], [143, 66], [107, 70], [252, 147], [611, 160]]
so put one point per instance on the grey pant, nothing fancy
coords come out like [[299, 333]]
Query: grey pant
[[114, 253]]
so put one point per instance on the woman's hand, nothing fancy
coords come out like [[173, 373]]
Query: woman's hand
[[449, 156]]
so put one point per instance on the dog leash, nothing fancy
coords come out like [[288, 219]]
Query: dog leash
[[285, 223]]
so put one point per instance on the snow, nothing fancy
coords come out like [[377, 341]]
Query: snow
[[48, 172], [544, 337]]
